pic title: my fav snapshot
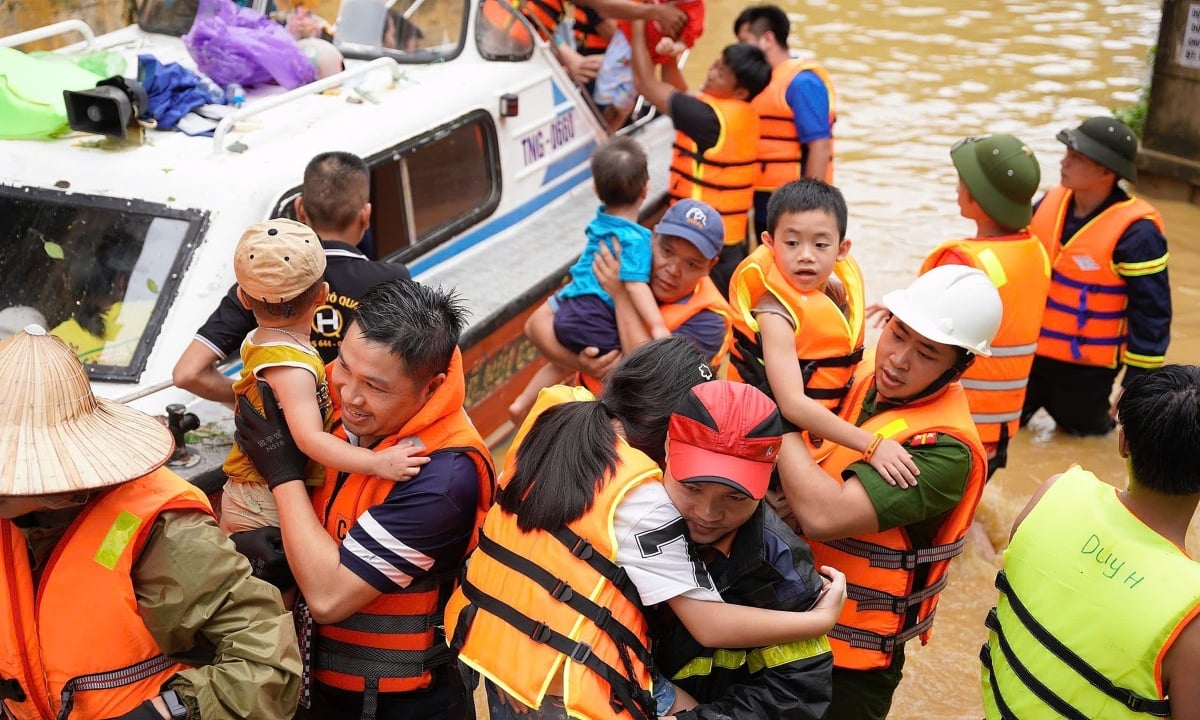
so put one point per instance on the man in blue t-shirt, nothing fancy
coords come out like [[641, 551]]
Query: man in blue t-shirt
[[796, 111]]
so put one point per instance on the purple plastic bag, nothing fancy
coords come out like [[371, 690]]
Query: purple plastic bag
[[233, 44]]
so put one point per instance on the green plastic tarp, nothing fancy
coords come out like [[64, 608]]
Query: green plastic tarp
[[31, 93]]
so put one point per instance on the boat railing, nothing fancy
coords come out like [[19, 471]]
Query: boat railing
[[53, 30], [312, 88]]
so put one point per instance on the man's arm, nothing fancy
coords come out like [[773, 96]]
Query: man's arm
[[539, 328], [656, 91], [195, 593], [809, 101], [196, 371], [669, 17], [1179, 673], [816, 161], [1141, 259], [824, 508]]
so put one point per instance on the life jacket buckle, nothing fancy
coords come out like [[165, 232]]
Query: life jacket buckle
[[582, 549], [581, 652], [562, 592], [541, 633]]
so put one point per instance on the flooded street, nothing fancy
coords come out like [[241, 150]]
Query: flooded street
[[912, 77]]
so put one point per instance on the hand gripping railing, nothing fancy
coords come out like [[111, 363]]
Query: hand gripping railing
[[312, 88], [49, 31]]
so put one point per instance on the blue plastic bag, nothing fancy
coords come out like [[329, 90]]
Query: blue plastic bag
[[232, 44]]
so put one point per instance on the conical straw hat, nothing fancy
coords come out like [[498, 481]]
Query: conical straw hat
[[55, 435]]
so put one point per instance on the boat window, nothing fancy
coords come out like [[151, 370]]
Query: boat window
[[501, 33], [411, 31], [440, 184], [100, 273]]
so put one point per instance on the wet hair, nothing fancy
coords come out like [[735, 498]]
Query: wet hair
[[749, 65], [1160, 413], [288, 309], [764, 18], [336, 186], [620, 171], [418, 323], [807, 194], [573, 445]]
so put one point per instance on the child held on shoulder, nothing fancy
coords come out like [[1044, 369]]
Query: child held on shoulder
[[584, 314], [280, 268], [798, 323]]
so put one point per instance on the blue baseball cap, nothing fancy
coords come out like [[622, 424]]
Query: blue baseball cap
[[697, 223]]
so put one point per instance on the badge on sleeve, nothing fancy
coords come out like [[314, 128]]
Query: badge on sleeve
[[923, 439]]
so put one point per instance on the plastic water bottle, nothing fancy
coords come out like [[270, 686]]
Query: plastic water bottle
[[234, 95], [212, 90]]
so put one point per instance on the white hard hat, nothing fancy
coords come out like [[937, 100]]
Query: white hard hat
[[951, 304]]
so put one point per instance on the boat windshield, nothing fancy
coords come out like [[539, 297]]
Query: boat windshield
[[100, 273]]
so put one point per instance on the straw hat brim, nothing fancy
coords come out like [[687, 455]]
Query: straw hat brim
[[108, 446]]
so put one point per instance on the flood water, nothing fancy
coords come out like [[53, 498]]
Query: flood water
[[913, 76]]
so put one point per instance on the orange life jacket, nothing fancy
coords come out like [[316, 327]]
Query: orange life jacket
[[1017, 265], [705, 296], [393, 642], [829, 345], [539, 607], [544, 15], [780, 155], [588, 40], [77, 638], [1085, 321], [723, 176], [501, 15], [880, 567]]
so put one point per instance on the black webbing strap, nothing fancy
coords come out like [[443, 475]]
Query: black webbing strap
[[1128, 698], [368, 662], [615, 574], [848, 360], [120, 677], [602, 617], [886, 557], [985, 657], [390, 624], [874, 641], [628, 696], [868, 598], [1035, 686]]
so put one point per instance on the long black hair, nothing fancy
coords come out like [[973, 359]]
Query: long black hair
[[571, 449]]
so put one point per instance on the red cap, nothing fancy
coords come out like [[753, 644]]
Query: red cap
[[725, 432]]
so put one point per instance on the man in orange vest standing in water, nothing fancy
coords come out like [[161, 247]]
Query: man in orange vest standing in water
[[895, 542], [376, 560], [715, 156], [1110, 299], [795, 113], [121, 599]]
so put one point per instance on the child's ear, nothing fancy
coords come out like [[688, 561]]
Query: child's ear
[[843, 248], [766, 239], [241, 295]]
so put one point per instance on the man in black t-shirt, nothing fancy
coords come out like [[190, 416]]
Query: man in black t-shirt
[[335, 202]]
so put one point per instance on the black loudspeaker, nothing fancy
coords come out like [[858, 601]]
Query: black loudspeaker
[[108, 108]]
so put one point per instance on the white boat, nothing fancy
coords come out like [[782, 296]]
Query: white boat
[[480, 180]]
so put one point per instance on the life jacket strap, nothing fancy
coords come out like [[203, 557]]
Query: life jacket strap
[[374, 662], [868, 640], [885, 557], [110, 679], [1130, 699], [871, 599]]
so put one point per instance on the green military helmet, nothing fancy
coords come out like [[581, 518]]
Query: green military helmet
[[1002, 175], [1109, 142]]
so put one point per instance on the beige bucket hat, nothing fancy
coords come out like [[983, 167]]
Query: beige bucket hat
[[55, 435]]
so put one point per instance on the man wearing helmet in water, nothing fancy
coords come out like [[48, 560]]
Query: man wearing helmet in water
[[895, 542]]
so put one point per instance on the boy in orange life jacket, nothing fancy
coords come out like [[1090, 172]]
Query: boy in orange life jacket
[[715, 156], [279, 265], [798, 320], [997, 177], [584, 313]]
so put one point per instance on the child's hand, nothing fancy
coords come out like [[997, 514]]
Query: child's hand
[[876, 315], [833, 595], [895, 464], [658, 332], [400, 462]]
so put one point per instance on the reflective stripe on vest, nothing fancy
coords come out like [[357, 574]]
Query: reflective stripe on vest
[[1085, 318], [757, 660], [527, 627], [887, 608], [393, 642], [49, 663], [1078, 555], [1019, 268], [723, 176], [780, 154]]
